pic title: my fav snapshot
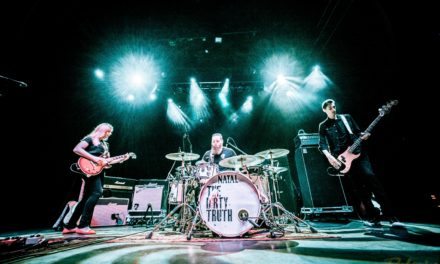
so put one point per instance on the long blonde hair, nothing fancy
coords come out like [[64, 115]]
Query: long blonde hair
[[100, 128]]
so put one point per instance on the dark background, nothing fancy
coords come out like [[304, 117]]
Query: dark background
[[372, 52]]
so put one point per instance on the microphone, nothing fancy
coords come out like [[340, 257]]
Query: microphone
[[227, 142]]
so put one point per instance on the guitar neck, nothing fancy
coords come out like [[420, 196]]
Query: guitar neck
[[116, 158], [358, 141]]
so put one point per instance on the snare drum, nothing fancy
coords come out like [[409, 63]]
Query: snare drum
[[176, 192], [226, 201]]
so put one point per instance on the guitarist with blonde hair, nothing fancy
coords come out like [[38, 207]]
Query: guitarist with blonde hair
[[339, 141], [95, 149]]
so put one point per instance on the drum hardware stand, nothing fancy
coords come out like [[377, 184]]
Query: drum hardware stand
[[185, 177], [186, 207], [193, 223], [143, 220], [275, 227], [274, 178]]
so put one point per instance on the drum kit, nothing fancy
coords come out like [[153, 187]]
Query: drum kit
[[231, 202]]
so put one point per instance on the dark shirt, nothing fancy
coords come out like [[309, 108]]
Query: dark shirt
[[98, 150], [226, 153], [334, 136]]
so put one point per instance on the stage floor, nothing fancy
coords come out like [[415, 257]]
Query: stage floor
[[335, 242]]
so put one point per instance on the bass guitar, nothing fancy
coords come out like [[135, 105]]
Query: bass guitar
[[90, 168], [346, 158]]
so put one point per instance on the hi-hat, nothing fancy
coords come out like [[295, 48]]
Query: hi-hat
[[185, 167], [273, 153], [240, 161], [182, 156], [277, 170]]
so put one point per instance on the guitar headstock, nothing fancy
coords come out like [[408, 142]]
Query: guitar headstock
[[132, 155], [386, 108]]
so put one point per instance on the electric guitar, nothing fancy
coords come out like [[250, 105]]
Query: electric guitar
[[346, 158], [90, 168]]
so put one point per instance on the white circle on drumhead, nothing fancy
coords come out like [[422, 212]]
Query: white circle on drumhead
[[223, 197]]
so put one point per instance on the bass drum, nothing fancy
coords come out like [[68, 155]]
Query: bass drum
[[226, 201]]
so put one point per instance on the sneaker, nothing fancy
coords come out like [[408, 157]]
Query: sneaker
[[373, 223], [85, 231], [68, 231], [396, 223]]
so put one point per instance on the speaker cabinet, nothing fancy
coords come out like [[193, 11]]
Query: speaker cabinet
[[110, 212], [145, 196], [150, 191], [318, 189], [118, 187]]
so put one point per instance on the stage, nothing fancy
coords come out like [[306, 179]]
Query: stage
[[336, 241]]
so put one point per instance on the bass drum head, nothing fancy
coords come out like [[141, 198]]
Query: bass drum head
[[224, 199]]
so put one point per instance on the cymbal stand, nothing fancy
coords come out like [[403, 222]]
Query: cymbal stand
[[187, 208], [275, 182], [276, 227], [149, 235], [193, 224], [274, 178]]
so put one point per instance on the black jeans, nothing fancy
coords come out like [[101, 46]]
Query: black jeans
[[84, 209], [364, 184]]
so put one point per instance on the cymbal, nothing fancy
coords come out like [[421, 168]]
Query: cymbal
[[273, 153], [277, 169], [240, 161], [185, 156]]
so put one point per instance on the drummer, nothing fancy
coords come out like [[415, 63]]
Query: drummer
[[218, 152]]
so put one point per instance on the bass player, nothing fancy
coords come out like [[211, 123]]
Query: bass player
[[336, 134]]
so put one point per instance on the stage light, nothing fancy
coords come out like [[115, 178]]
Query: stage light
[[99, 74]]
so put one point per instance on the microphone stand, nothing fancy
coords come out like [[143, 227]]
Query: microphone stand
[[190, 144], [236, 148], [244, 168]]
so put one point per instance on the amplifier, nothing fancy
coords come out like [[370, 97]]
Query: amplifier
[[153, 191], [304, 139], [118, 183], [110, 212], [118, 187], [147, 195]]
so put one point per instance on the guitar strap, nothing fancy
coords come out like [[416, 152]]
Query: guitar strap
[[346, 124]]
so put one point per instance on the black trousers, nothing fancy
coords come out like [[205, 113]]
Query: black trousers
[[93, 189], [365, 184]]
